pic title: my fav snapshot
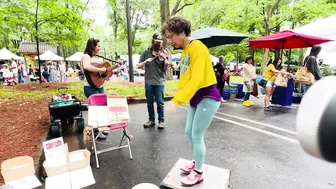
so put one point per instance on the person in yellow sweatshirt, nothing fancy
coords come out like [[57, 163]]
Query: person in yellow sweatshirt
[[197, 86]]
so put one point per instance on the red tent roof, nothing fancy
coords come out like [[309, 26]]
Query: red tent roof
[[286, 40]]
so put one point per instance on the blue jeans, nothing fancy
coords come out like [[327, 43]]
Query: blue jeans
[[247, 96], [20, 77], [156, 91], [88, 91]]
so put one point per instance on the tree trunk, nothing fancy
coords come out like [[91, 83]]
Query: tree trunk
[[115, 27], [301, 56], [164, 13], [37, 41], [267, 32], [268, 14]]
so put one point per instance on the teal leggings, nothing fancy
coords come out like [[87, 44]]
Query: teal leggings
[[199, 119]]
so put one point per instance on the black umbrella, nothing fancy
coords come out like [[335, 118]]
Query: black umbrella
[[212, 37]]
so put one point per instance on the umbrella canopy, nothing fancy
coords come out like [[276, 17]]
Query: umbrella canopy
[[5, 54], [286, 40], [48, 55], [212, 37], [77, 57]]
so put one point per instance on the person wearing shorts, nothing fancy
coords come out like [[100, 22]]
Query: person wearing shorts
[[270, 75]]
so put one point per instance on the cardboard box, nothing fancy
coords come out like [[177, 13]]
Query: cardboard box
[[17, 167], [19, 172], [76, 173], [69, 166]]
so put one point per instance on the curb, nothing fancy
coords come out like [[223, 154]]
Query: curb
[[144, 100]]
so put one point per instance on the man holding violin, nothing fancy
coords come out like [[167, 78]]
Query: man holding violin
[[155, 60]]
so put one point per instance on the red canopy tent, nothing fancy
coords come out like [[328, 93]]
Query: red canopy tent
[[286, 40]]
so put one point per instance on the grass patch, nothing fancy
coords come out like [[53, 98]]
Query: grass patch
[[47, 90]]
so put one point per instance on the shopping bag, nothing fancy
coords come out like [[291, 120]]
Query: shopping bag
[[263, 82], [255, 91], [303, 75], [281, 80]]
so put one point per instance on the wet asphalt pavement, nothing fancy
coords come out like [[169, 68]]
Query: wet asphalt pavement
[[258, 147]]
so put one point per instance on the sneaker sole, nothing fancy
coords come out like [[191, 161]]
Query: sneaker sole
[[160, 127], [148, 126], [189, 185], [184, 171]]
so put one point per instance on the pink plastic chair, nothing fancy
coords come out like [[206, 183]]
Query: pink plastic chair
[[101, 100]]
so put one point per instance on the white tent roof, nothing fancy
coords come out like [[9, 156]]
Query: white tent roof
[[76, 57], [5, 54], [214, 59], [135, 58], [178, 55], [323, 28], [48, 55]]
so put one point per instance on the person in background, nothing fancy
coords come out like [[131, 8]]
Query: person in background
[[53, 72], [45, 73], [30, 70], [62, 69], [219, 71], [313, 67], [177, 69], [14, 68], [196, 86], [24, 71], [249, 76], [20, 73], [320, 62], [226, 76], [155, 78], [270, 75]]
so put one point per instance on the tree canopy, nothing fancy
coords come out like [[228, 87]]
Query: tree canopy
[[62, 22]]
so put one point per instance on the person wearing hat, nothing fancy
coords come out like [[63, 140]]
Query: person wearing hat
[[155, 62]]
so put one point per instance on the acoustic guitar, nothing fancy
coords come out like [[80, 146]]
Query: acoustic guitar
[[96, 79]]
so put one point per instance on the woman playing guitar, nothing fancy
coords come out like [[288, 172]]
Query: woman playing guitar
[[89, 58]]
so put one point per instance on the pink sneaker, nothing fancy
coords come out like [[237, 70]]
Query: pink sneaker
[[188, 168], [192, 179]]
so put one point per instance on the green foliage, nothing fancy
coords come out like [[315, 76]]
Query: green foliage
[[142, 13], [60, 22], [326, 70]]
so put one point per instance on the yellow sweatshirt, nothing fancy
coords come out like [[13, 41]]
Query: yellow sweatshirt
[[196, 71]]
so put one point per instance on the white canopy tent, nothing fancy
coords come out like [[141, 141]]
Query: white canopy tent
[[48, 55], [135, 58], [5, 54], [77, 57], [323, 28], [213, 58]]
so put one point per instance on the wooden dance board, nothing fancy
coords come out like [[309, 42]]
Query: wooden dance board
[[214, 177]]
